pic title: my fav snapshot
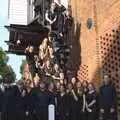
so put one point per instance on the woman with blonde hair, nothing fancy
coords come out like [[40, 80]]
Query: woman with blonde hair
[[43, 49]]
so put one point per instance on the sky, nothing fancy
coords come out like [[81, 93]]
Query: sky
[[14, 60]]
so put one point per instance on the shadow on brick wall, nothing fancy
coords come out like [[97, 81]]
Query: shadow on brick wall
[[110, 58], [75, 60]]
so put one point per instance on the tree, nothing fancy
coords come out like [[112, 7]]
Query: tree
[[5, 69], [3, 57], [24, 62]]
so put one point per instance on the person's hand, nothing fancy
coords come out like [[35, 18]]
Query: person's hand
[[61, 35], [72, 91], [23, 93], [27, 113], [112, 110], [67, 91], [83, 110], [101, 110], [89, 110], [51, 22]]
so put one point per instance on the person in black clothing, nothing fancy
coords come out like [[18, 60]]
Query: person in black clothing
[[68, 23], [57, 71], [0, 100], [74, 81], [48, 70], [51, 18], [91, 102], [107, 100], [72, 100], [23, 101], [51, 89], [10, 102], [57, 85], [29, 54], [60, 9], [79, 94], [62, 108], [84, 108], [85, 86], [57, 93], [41, 103], [38, 7], [30, 98], [29, 51]]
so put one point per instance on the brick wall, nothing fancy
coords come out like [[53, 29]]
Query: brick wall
[[104, 14], [99, 46]]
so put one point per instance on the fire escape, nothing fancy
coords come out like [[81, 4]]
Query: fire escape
[[20, 36]]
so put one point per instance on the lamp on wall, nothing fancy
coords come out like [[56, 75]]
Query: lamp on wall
[[89, 23]]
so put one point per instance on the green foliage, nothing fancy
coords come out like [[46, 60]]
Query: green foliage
[[3, 57], [5, 69], [22, 66]]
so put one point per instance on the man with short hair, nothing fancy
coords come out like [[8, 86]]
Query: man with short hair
[[10, 103], [107, 100]]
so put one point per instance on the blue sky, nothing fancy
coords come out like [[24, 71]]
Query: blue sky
[[14, 60]]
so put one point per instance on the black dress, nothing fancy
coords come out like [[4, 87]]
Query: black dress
[[62, 107], [31, 101], [79, 104], [60, 18], [89, 98], [52, 16], [72, 106], [51, 98], [41, 106], [31, 62], [0, 99]]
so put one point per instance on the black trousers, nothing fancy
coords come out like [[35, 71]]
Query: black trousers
[[91, 116], [42, 113], [107, 115], [8, 115]]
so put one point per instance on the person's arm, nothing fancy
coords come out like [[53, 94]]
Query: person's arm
[[92, 103], [55, 19], [84, 103], [93, 100], [113, 101], [54, 77], [101, 101], [47, 18], [48, 74], [74, 95], [114, 97]]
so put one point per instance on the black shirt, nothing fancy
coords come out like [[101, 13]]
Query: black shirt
[[107, 96]]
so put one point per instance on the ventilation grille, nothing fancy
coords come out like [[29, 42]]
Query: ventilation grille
[[83, 73]]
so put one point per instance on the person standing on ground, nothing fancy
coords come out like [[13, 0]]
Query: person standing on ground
[[107, 100]]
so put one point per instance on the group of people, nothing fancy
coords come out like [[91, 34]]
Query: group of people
[[73, 101], [29, 98], [54, 51]]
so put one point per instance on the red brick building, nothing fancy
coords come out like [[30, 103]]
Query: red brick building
[[97, 43]]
